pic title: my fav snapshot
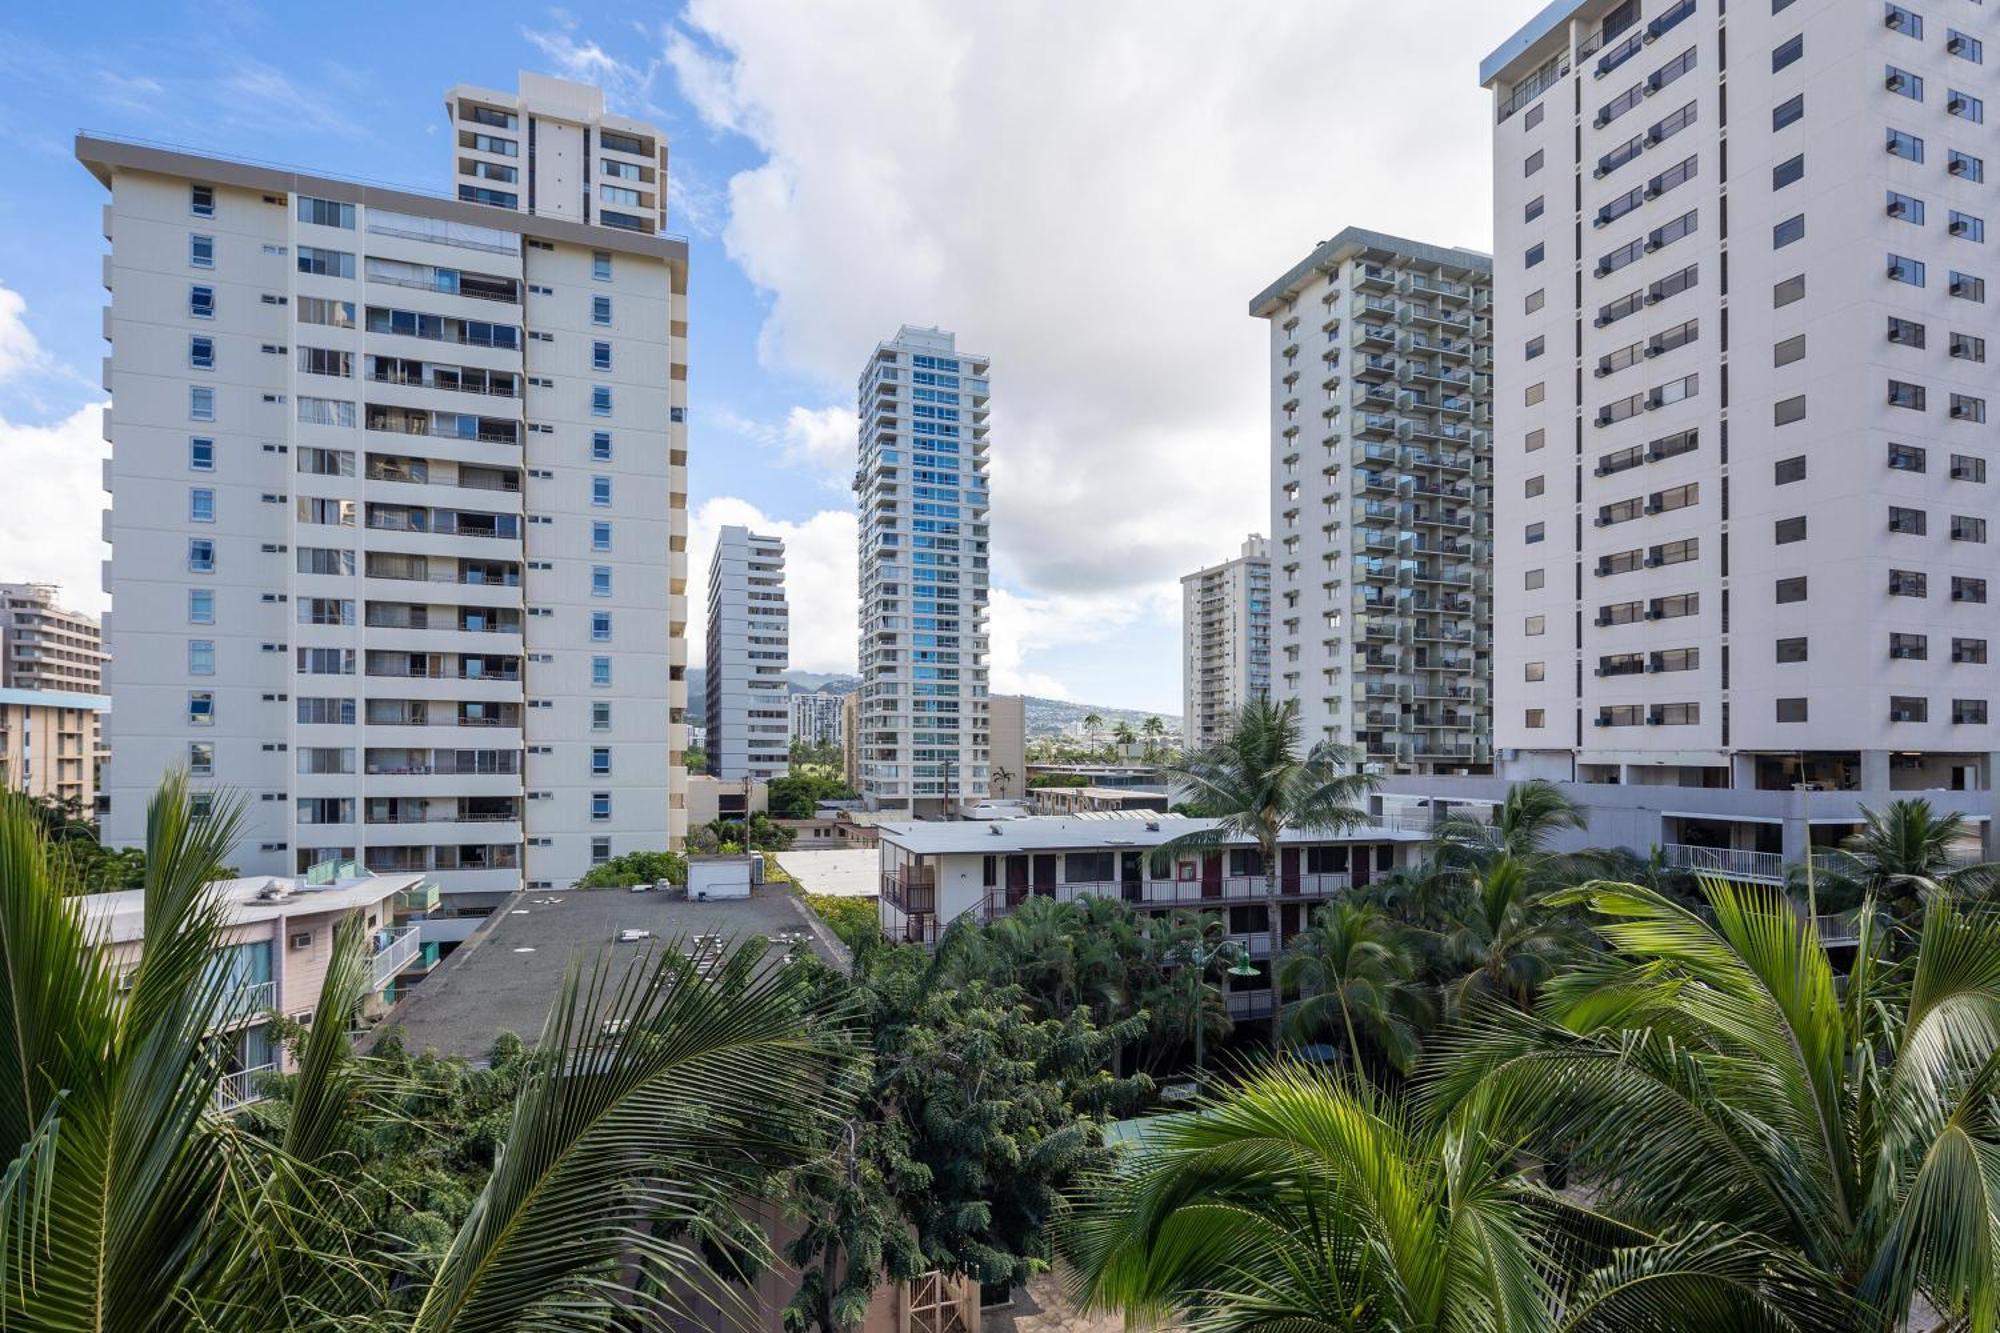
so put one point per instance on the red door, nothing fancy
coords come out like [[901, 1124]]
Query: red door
[[1211, 875], [1362, 858], [1288, 869]]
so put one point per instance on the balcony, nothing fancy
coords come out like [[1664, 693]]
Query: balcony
[[238, 1088], [399, 949], [1728, 862]]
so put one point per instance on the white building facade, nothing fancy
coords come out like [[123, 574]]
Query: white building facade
[[1225, 641], [749, 647], [551, 150], [398, 521], [1381, 497], [924, 743], [1743, 499], [816, 718]]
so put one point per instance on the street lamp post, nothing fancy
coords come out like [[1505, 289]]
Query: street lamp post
[[1199, 954]]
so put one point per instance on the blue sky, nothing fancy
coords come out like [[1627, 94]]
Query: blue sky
[[1090, 194]]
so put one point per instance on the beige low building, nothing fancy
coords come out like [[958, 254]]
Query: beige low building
[[49, 745], [712, 798], [1007, 745]]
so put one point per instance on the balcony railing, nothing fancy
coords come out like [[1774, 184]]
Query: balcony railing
[[1729, 862], [394, 956], [238, 1088]]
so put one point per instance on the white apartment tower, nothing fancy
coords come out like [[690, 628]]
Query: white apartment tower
[[749, 647], [1225, 641], [551, 150], [43, 646], [924, 744], [816, 718], [1742, 463], [1381, 452], [398, 521]]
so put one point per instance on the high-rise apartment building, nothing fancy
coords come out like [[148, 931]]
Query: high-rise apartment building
[[398, 521], [1742, 533], [45, 647], [816, 718], [749, 646], [49, 745], [551, 150], [1380, 499], [921, 489], [1225, 641]]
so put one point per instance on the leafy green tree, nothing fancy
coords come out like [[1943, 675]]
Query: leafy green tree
[[1183, 996], [795, 795], [825, 754], [852, 919], [1259, 784], [1353, 974], [758, 833], [636, 868], [1299, 1199], [1716, 1074], [695, 758]]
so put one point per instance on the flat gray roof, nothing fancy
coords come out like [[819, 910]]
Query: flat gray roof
[[1351, 241], [1062, 833], [1555, 14], [505, 978], [105, 155]]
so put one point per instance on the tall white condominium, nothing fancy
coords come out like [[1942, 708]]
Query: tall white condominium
[[43, 646], [816, 718], [398, 521], [551, 150], [749, 647], [1225, 641], [921, 486], [1744, 505], [1381, 498]]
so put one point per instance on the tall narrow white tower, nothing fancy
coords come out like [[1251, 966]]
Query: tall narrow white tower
[[749, 646]]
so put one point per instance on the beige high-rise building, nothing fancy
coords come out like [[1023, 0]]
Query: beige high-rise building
[[398, 520], [551, 150], [49, 745], [1225, 641], [45, 647]]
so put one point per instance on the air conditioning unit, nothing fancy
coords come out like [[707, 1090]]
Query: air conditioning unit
[[1654, 138], [1894, 83], [1955, 105], [1894, 19], [1653, 190], [1654, 562], [1958, 227], [1959, 288], [1897, 271], [1652, 615], [1957, 595], [1652, 298], [1895, 335], [1597, 671], [1597, 172], [1600, 121], [1652, 350], [1600, 221], [1897, 208], [1603, 269], [1957, 166], [301, 939], [1653, 401], [1960, 410], [1600, 372], [1653, 719], [1653, 82], [1599, 322], [1652, 667], [1954, 44]]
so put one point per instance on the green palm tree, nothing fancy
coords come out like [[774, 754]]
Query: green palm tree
[[1521, 826], [1123, 734], [1907, 853], [1258, 785], [1352, 970], [1716, 1071], [130, 1202], [1186, 1005], [1152, 729], [1505, 936], [1300, 1200]]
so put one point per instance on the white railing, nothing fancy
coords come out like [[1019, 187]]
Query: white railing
[[238, 1089], [246, 1002], [393, 957], [1729, 862]]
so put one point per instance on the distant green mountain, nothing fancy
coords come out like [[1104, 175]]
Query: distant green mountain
[[1045, 717]]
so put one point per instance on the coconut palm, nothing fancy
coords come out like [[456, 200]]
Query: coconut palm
[[1352, 972], [1152, 729], [1124, 735], [1524, 823], [1908, 853], [1717, 1071], [1259, 784], [1184, 953], [1304, 1200], [131, 1202], [1504, 936]]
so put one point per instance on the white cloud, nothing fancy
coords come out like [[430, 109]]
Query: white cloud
[[20, 351], [55, 494], [1021, 626], [820, 579], [1090, 194], [820, 438]]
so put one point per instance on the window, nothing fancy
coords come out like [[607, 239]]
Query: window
[[325, 263], [201, 252], [600, 580], [1536, 299], [1971, 652], [1965, 467], [201, 302], [1535, 532], [1964, 407], [1788, 530], [201, 351], [1788, 470], [1533, 210], [1536, 253], [1534, 440], [1968, 711], [1965, 165], [1533, 164], [600, 627], [600, 534], [1909, 708], [201, 200], [1534, 626], [1790, 290], [600, 806], [600, 446], [1787, 51], [1902, 393], [1966, 107], [1909, 522], [600, 672], [600, 491], [600, 310], [201, 555], [201, 758], [1675, 715], [1904, 269], [1909, 583], [1534, 578], [1965, 589], [1675, 553], [600, 851], [1791, 229], [1907, 332], [1787, 410], [1791, 710], [1968, 227], [1968, 348], [201, 505], [1678, 497], [1535, 393], [1536, 346], [1909, 647], [600, 265], [1906, 207], [1791, 650], [1790, 170], [201, 657], [1965, 46], [600, 760], [201, 403], [1965, 528], [1906, 145], [1534, 671], [1967, 287], [1790, 590], [201, 606], [1903, 83], [600, 356], [326, 212], [1787, 112], [1534, 717], [201, 708], [1908, 457], [600, 715], [340, 315], [1902, 20], [600, 400]]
